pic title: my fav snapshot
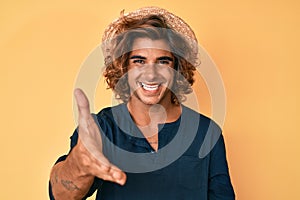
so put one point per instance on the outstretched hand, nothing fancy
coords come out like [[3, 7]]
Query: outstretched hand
[[87, 154]]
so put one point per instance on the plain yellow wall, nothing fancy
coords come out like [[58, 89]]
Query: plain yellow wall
[[254, 43]]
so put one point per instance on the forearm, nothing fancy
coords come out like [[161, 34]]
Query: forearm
[[68, 183]]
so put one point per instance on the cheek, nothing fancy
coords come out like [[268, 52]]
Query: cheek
[[168, 73], [132, 76]]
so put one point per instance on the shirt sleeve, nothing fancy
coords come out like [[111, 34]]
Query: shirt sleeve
[[220, 187]]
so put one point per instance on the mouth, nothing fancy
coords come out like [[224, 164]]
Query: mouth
[[149, 87]]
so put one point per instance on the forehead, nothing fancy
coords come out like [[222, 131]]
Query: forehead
[[147, 44]]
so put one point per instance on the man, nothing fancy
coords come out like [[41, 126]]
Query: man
[[148, 146]]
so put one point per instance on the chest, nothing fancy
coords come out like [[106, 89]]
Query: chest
[[186, 178]]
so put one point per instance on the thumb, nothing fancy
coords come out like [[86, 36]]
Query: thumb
[[82, 104]]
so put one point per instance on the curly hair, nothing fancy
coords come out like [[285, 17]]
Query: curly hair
[[155, 28]]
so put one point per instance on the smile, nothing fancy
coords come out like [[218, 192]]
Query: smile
[[150, 87]]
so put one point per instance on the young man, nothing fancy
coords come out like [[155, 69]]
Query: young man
[[147, 147]]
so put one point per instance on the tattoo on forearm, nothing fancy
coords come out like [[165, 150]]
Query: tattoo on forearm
[[69, 185]]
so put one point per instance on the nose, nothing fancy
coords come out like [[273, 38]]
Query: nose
[[151, 71]]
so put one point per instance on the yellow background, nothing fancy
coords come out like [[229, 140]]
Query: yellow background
[[254, 43]]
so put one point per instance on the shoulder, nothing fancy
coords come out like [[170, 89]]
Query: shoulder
[[207, 132], [111, 113], [115, 118], [196, 118]]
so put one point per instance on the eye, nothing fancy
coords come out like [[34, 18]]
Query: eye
[[139, 61], [164, 62]]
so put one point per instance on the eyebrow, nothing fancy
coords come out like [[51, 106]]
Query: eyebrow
[[138, 57], [165, 58], [160, 58]]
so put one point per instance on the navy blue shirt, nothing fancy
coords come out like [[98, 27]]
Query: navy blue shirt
[[190, 163]]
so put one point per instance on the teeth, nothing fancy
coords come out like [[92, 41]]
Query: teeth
[[149, 87]]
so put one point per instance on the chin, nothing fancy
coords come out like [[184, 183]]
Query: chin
[[148, 101]]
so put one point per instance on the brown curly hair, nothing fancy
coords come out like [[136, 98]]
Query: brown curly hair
[[155, 28]]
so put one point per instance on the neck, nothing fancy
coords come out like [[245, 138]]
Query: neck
[[151, 115]]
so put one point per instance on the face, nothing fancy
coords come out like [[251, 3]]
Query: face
[[150, 72]]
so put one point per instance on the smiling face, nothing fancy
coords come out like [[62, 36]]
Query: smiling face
[[150, 72]]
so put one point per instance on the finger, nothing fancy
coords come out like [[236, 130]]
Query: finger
[[118, 176], [103, 168], [110, 172], [112, 179], [115, 176], [82, 103]]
